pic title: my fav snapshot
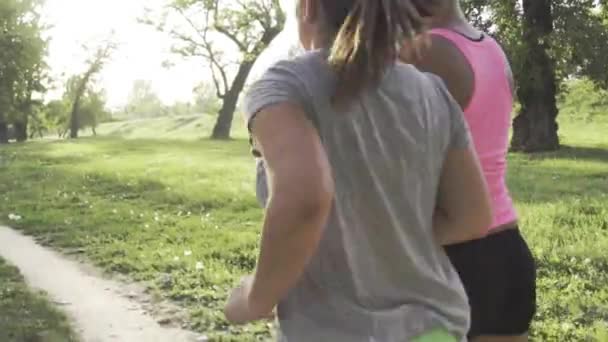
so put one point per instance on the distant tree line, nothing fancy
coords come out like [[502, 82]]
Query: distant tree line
[[144, 102], [556, 47]]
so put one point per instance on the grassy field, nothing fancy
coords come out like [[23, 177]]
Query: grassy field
[[180, 215], [26, 316]]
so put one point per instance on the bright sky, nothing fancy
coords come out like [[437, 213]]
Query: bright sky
[[140, 55]]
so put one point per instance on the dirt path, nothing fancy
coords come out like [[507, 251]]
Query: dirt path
[[100, 310]]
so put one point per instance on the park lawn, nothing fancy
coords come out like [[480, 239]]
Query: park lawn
[[27, 316], [181, 216]]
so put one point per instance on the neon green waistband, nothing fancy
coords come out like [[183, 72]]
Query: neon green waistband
[[438, 335]]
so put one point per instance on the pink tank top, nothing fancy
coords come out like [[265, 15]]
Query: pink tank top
[[489, 116]]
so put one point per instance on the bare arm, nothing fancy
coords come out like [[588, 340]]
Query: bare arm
[[301, 195], [463, 209]]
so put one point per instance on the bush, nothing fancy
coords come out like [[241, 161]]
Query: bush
[[582, 100]]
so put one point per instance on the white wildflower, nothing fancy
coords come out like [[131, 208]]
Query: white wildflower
[[14, 217]]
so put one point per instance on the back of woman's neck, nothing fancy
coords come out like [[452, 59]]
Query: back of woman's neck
[[456, 22], [449, 20]]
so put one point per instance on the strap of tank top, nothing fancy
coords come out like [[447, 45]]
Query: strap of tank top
[[456, 38], [447, 33], [461, 42]]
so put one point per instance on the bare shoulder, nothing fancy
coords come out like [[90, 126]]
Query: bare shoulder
[[444, 59]]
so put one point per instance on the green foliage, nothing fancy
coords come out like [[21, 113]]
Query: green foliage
[[577, 43], [582, 99], [143, 101], [205, 100], [80, 85], [181, 109], [22, 59], [93, 109], [148, 209], [547, 42], [55, 115]]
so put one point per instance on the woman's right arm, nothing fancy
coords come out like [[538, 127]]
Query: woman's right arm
[[463, 207], [463, 210]]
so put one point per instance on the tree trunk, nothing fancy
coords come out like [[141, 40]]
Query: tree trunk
[[74, 119], [3, 132], [82, 87], [535, 128], [21, 130], [222, 127]]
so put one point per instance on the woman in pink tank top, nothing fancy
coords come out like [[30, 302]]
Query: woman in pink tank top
[[498, 271]]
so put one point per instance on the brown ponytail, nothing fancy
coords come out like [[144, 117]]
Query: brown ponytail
[[370, 34]]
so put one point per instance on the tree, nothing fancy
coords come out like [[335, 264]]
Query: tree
[[180, 109], [547, 41], [143, 101], [243, 29], [95, 65], [90, 110], [535, 128], [32, 76], [93, 110], [52, 116], [22, 65], [205, 99], [581, 99]]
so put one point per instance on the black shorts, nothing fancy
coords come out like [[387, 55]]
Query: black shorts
[[499, 276]]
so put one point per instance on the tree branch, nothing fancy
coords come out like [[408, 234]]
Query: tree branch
[[231, 36], [215, 64], [206, 44]]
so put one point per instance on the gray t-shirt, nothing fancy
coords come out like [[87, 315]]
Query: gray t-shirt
[[378, 274]]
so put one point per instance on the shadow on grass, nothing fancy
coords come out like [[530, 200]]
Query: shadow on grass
[[226, 150], [30, 166], [37, 154], [596, 154], [181, 122], [151, 194], [121, 131], [547, 184]]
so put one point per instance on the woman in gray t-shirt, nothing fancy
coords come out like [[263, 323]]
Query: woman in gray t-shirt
[[369, 170]]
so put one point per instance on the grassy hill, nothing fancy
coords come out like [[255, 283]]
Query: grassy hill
[[171, 127]]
